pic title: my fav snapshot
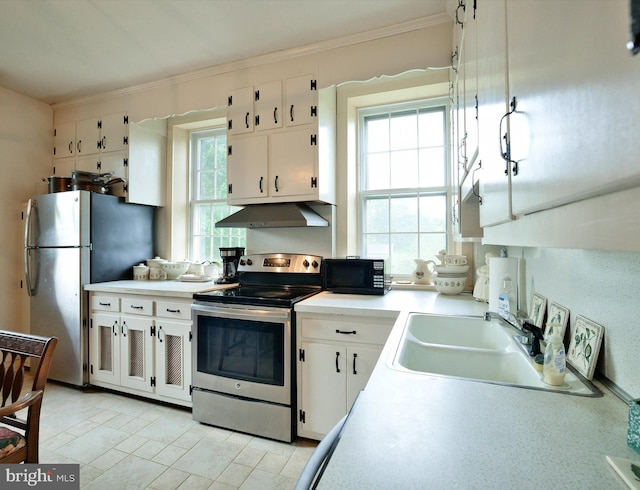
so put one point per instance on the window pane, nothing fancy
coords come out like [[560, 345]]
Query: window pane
[[404, 248], [404, 131], [404, 169], [376, 215], [432, 167], [433, 213], [404, 214], [377, 170], [431, 129], [431, 244], [376, 246], [377, 134]]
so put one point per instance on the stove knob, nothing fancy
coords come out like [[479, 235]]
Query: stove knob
[[242, 262], [249, 262], [315, 264], [305, 263]]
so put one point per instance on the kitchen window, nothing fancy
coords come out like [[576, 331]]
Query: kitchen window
[[402, 183], [208, 203]]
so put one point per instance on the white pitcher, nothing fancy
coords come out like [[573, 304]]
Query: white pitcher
[[423, 273]]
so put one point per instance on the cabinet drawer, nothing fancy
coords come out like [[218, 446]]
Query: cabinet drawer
[[105, 303], [361, 330], [173, 309], [137, 306]]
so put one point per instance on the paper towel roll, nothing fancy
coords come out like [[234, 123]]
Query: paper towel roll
[[498, 268]]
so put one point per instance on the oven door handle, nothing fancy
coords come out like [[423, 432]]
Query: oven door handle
[[243, 313]]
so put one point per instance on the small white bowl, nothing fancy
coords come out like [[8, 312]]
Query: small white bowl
[[449, 285], [174, 269], [452, 269]]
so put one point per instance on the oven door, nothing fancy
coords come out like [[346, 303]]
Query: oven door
[[243, 351]]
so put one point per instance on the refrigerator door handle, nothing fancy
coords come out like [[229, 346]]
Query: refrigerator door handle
[[27, 228]]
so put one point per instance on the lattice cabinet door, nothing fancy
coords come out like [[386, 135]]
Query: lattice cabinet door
[[104, 349], [136, 356], [173, 359]]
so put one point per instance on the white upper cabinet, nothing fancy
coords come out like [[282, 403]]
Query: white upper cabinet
[[268, 106], [301, 100], [135, 153], [240, 111], [281, 152], [64, 140], [575, 132], [102, 134], [493, 104]]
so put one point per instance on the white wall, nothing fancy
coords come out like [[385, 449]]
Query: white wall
[[25, 159]]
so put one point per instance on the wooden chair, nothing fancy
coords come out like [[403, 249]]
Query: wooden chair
[[15, 349]]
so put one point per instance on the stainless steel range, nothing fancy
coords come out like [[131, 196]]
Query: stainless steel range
[[243, 345]]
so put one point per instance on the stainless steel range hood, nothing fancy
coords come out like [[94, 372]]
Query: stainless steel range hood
[[275, 215]]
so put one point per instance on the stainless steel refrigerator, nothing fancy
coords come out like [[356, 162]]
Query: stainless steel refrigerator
[[71, 239]]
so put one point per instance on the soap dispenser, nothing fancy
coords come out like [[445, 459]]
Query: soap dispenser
[[506, 299], [555, 367]]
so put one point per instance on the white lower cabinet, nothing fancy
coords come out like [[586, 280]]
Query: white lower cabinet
[[335, 357], [141, 345]]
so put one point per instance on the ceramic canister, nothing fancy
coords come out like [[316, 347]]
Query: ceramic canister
[[140, 272]]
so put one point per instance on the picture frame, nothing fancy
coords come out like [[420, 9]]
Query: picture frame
[[557, 314], [538, 309], [584, 347]]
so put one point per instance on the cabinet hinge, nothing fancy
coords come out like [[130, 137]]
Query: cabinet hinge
[[125, 120], [125, 162], [152, 331], [314, 84], [257, 120], [91, 369], [99, 165], [230, 189], [302, 416], [125, 188], [314, 111], [190, 336], [314, 140], [125, 140], [55, 132], [230, 125], [229, 150], [99, 124], [230, 100], [190, 390], [301, 355], [314, 182], [257, 95], [153, 381], [54, 150]]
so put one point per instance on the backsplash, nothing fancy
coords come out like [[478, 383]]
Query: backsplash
[[602, 286]]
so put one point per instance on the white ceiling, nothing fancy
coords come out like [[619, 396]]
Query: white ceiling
[[57, 50]]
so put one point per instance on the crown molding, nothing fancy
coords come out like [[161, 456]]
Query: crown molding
[[278, 56]]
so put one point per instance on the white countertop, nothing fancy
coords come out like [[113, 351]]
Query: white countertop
[[173, 288], [411, 430]]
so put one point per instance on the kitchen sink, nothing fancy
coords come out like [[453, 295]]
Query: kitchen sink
[[478, 349]]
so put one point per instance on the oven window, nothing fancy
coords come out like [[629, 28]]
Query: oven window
[[241, 349]]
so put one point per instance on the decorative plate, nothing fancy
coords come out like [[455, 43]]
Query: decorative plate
[[585, 346]]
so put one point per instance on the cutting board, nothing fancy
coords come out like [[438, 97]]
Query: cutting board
[[625, 469]]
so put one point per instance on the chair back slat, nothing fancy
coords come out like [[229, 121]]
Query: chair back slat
[[15, 350]]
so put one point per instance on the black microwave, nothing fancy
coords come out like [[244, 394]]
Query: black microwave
[[354, 276]]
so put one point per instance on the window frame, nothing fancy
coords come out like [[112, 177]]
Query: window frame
[[439, 104], [226, 236]]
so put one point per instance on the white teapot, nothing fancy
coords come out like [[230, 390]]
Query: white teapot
[[423, 274]]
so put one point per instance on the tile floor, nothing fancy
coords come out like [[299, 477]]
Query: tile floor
[[126, 443]]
